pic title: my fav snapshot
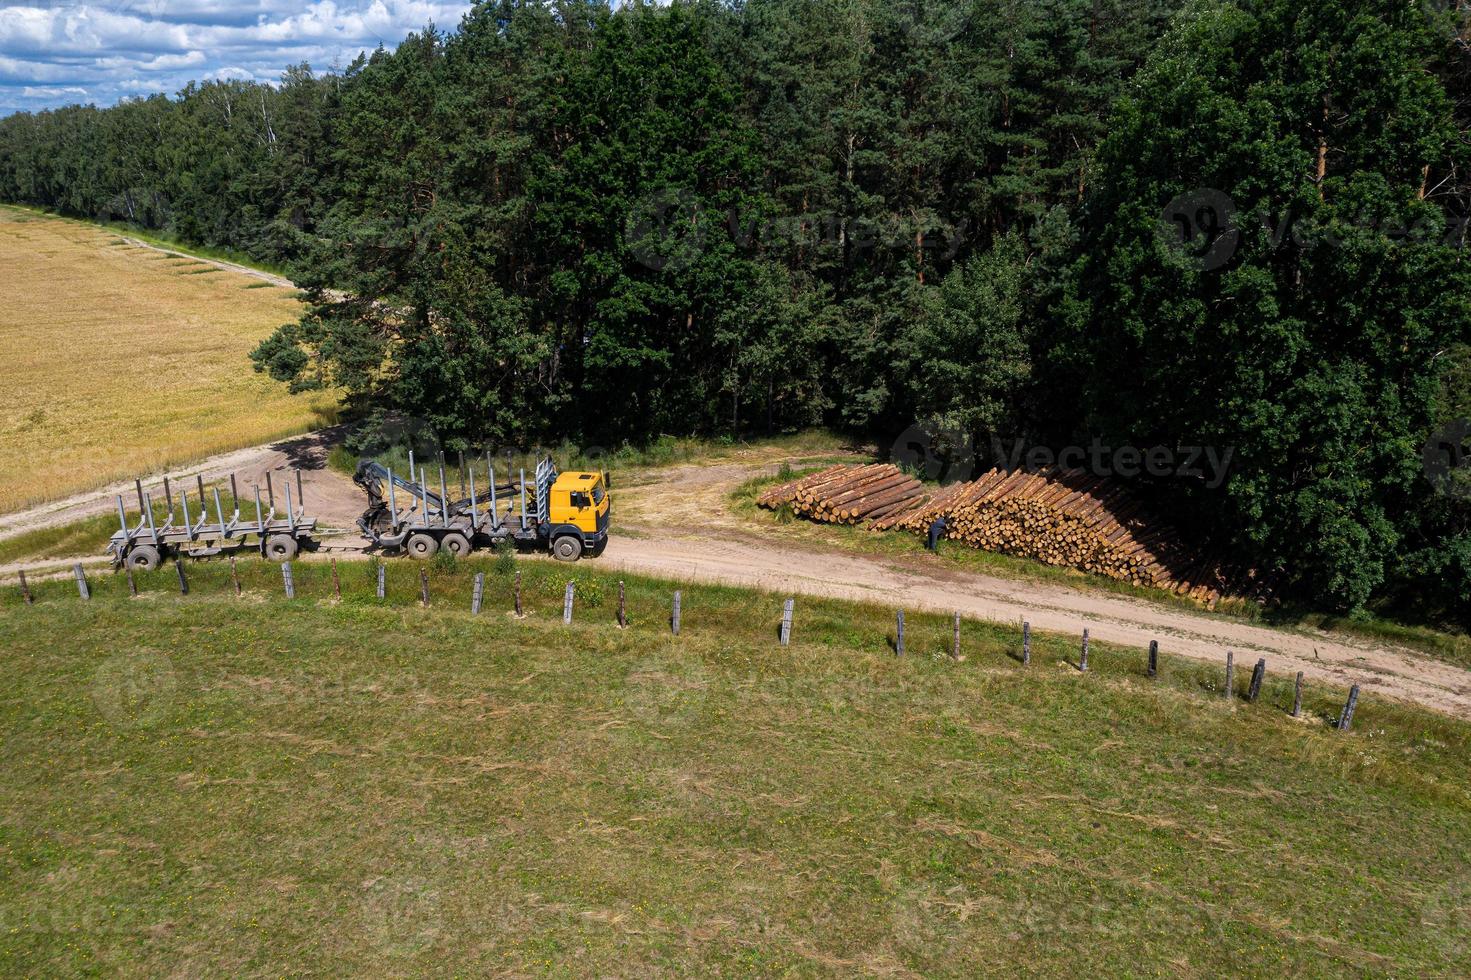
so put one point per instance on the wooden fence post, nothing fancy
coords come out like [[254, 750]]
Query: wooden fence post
[[83, 589], [336, 583], [382, 580], [287, 579], [674, 620], [477, 593], [899, 636], [235, 576], [132, 581], [424, 587], [1153, 658], [1083, 658], [1297, 696], [1230, 674], [1346, 717], [786, 621], [25, 589], [183, 581], [1257, 673], [622, 608], [1026, 643], [955, 640], [567, 604], [519, 614]]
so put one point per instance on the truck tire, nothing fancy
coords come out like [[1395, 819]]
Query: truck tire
[[281, 547], [567, 548], [456, 544], [421, 546], [144, 558]]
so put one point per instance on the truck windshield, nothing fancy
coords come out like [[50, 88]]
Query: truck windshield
[[597, 495]]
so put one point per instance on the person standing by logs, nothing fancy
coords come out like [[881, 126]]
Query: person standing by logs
[[937, 531]]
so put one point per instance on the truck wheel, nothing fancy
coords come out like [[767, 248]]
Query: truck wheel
[[567, 548], [144, 558], [422, 546], [281, 547], [456, 544]]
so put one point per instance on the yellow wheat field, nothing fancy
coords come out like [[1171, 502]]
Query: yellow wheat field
[[117, 360]]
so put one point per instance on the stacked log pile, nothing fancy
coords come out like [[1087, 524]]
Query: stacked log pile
[[1066, 518], [848, 494]]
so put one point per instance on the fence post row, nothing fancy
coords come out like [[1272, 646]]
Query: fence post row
[[1258, 675]]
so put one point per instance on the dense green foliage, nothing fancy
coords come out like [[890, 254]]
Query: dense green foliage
[[715, 217], [1309, 342]]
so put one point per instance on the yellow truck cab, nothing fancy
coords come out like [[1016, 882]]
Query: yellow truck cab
[[578, 506]]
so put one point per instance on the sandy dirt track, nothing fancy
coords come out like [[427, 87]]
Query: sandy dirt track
[[676, 523]]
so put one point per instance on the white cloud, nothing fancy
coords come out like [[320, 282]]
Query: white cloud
[[52, 92], [104, 51]]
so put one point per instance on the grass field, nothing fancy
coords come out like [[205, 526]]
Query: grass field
[[120, 360], [251, 786]]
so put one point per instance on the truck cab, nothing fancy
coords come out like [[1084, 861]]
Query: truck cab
[[578, 507]]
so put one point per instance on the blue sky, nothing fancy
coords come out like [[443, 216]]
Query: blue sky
[[53, 54]]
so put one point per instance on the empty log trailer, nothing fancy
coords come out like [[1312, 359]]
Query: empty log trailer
[[566, 514], [279, 537]]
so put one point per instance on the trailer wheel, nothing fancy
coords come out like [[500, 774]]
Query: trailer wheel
[[567, 548], [144, 558], [422, 546], [281, 547], [456, 544]]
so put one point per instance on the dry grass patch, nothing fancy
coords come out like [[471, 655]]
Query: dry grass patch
[[118, 363]]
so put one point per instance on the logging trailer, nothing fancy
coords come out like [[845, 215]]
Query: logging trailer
[[276, 536], [567, 514]]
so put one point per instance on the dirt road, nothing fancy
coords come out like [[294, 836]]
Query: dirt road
[[676, 522]]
